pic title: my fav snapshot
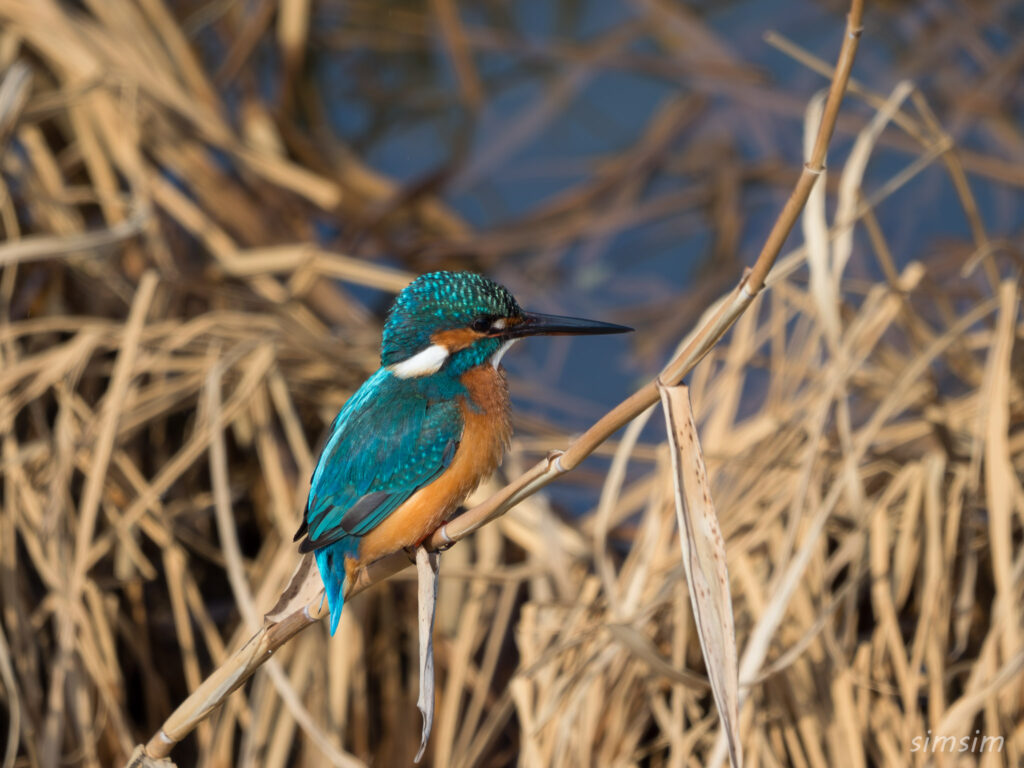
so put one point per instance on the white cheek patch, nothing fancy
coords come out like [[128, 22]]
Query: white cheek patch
[[498, 324], [423, 363], [496, 360]]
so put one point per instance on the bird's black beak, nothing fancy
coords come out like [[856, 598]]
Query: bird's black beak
[[536, 324]]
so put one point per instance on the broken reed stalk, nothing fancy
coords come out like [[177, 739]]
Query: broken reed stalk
[[241, 665]]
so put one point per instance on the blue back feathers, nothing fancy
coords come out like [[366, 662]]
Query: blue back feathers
[[389, 440]]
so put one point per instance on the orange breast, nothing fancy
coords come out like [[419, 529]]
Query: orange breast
[[484, 438]]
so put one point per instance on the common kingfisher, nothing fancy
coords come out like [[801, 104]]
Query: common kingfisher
[[421, 433]]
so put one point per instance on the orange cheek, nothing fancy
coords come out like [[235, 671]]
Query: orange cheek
[[456, 338]]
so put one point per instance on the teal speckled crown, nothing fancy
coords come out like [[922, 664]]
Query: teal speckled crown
[[440, 301]]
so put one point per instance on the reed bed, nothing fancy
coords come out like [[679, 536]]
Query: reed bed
[[172, 346]]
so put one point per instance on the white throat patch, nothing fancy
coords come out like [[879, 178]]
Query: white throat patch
[[496, 360], [423, 363]]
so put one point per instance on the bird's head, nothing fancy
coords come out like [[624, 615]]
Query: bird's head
[[454, 321]]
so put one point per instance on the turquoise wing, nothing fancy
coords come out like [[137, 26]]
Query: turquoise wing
[[386, 443]]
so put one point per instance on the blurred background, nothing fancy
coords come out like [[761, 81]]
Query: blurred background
[[282, 167]]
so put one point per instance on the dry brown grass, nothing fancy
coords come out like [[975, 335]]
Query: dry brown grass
[[168, 358]]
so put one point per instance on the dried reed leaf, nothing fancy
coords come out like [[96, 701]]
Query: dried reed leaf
[[704, 561], [1002, 484], [14, 94], [34, 248], [293, 30], [426, 569], [815, 230], [304, 586], [644, 649], [853, 174], [14, 705]]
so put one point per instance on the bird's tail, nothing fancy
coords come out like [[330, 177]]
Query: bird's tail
[[331, 562]]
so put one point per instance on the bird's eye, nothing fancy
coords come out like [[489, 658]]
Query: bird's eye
[[482, 324]]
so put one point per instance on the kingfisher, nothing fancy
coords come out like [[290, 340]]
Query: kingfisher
[[421, 433]]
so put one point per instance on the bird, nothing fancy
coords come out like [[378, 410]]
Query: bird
[[418, 436]]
